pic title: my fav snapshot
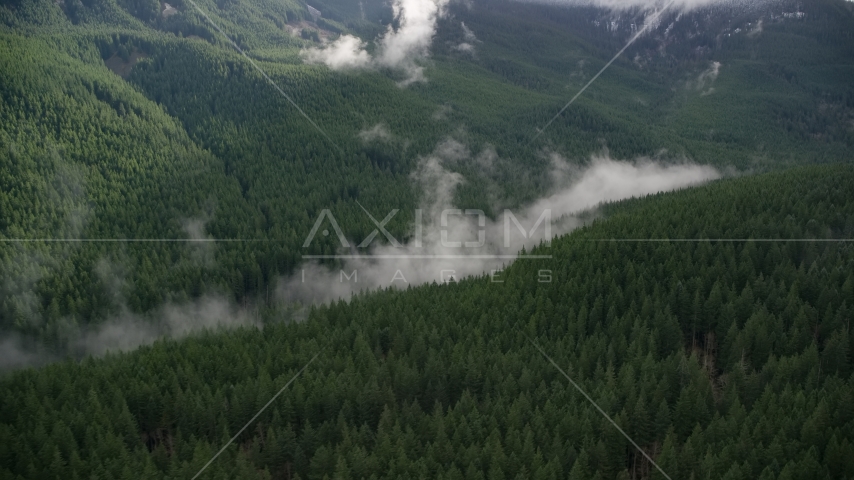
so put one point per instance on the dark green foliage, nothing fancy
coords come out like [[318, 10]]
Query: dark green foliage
[[436, 381], [723, 359], [193, 135], [308, 34]]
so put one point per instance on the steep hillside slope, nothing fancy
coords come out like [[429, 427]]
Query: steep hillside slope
[[721, 358], [192, 143]]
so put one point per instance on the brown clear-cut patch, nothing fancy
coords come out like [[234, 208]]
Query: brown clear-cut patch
[[122, 67]]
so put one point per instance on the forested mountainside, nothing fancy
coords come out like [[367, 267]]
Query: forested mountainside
[[123, 119], [722, 358]]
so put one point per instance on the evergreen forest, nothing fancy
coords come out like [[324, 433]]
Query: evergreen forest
[[162, 165]]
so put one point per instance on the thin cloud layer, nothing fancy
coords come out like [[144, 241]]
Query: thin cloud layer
[[399, 48], [454, 242], [347, 52], [708, 77], [128, 331], [470, 40], [378, 132]]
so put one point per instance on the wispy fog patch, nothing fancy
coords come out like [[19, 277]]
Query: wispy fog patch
[[122, 329], [411, 41], [25, 265], [606, 179], [378, 132], [195, 228], [347, 52], [441, 113], [486, 160], [756, 31], [128, 331], [707, 79], [125, 330], [464, 47], [22, 270], [579, 73], [470, 40], [202, 251], [17, 352], [455, 242], [469, 35], [400, 48]]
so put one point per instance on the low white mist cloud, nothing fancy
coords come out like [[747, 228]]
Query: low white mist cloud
[[469, 35], [24, 265], [468, 46], [195, 228], [201, 250], [606, 180], [123, 329], [378, 132], [757, 29], [399, 48], [417, 19], [464, 47], [17, 352], [707, 79], [455, 242], [441, 113], [128, 331], [23, 268], [347, 52]]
